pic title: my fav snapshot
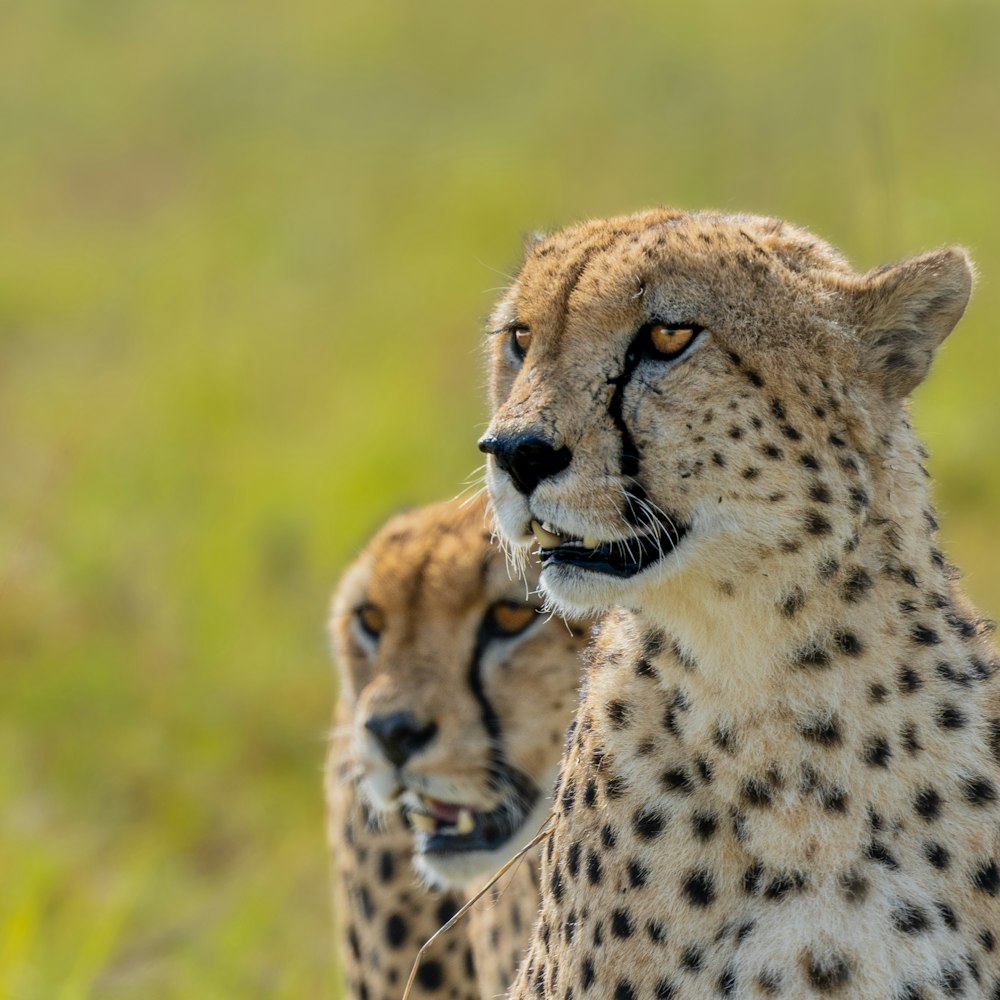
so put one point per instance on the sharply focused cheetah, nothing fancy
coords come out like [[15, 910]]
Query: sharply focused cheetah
[[783, 779], [455, 698]]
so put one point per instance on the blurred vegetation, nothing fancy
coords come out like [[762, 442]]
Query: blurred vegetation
[[246, 252]]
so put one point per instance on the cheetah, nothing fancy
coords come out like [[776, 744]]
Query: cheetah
[[455, 698], [782, 779]]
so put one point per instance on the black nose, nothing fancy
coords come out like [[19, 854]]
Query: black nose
[[400, 735], [526, 458]]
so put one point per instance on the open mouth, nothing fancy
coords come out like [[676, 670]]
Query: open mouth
[[624, 558], [446, 827]]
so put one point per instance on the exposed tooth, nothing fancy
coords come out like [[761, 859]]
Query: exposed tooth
[[547, 539], [465, 824], [589, 542], [423, 822]]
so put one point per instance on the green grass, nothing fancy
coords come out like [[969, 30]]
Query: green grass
[[246, 253]]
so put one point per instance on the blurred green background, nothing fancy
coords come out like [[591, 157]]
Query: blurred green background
[[245, 252]]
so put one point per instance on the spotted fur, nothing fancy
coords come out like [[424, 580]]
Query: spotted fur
[[784, 776], [495, 705]]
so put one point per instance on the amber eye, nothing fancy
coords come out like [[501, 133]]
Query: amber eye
[[507, 618], [371, 620], [520, 340], [667, 341]]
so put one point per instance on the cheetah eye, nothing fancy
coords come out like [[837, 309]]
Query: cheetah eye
[[520, 341], [508, 618], [666, 341], [371, 621]]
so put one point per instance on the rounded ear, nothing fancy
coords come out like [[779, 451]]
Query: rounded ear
[[904, 311]]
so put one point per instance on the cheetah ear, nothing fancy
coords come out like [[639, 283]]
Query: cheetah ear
[[904, 312]]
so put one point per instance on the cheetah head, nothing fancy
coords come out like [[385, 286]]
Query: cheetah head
[[698, 397], [461, 691]]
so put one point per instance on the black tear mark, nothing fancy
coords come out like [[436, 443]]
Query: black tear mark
[[629, 459]]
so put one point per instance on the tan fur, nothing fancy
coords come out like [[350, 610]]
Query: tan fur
[[784, 774], [432, 575]]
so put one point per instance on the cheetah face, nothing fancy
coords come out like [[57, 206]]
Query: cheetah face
[[461, 689], [683, 398]]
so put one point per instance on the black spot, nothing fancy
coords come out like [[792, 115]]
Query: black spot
[[699, 888], [395, 930], [751, 879], [638, 874], [657, 931], [692, 958], [750, 472], [858, 499], [987, 878], [754, 378], [608, 838], [723, 739], [793, 603], [908, 918], [619, 713], [624, 990], [615, 787], [822, 729], [820, 493], [978, 791], [909, 680], [877, 752], [817, 524], [587, 974], [827, 973], [877, 693], [430, 974], [665, 990], [756, 792], [590, 793], [937, 855], [924, 636], [705, 769], [727, 981], [947, 915], [678, 779], [952, 980], [649, 823], [879, 853], [790, 432], [621, 924], [950, 717], [834, 799], [594, 872], [987, 939], [772, 451], [908, 734], [927, 804], [386, 866], [909, 992], [856, 584], [812, 656], [704, 825], [809, 462], [735, 432], [769, 981], [848, 643], [556, 884], [784, 884], [573, 859]]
